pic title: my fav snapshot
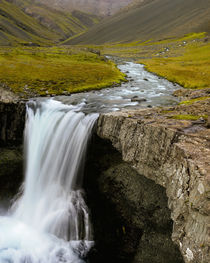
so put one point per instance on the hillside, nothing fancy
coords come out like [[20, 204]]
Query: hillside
[[24, 22], [150, 20], [98, 7]]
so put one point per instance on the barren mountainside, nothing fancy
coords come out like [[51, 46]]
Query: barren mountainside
[[24, 21], [150, 19], [98, 7]]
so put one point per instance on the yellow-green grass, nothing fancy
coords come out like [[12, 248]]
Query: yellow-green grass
[[188, 117], [191, 101], [187, 37], [148, 49], [55, 70], [191, 70]]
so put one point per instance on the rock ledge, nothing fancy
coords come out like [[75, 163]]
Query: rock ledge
[[175, 154]]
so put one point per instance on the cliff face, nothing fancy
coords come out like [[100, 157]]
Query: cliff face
[[130, 217], [12, 121], [175, 155]]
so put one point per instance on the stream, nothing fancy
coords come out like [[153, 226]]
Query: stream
[[142, 90]]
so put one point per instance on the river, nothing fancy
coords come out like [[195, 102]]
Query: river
[[143, 89]]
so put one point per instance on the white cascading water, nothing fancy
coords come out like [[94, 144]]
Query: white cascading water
[[49, 223]]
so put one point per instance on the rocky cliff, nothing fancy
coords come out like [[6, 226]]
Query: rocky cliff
[[130, 216], [12, 121], [174, 154]]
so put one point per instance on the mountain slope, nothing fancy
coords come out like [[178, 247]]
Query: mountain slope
[[151, 20], [24, 21], [63, 23], [98, 7], [16, 26]]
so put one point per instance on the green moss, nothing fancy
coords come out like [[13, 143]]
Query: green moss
[[189, 102], [188, 117], [166, 111]]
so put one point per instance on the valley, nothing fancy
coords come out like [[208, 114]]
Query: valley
[[104, 131]]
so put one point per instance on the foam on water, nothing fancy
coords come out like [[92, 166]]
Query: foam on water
[[50, 222], [155, 90]]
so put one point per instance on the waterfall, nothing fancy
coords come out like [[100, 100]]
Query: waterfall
[[49, 222]]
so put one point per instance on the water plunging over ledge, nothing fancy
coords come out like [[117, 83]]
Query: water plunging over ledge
[[49, 222]]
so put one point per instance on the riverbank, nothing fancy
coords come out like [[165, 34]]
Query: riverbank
[[183, 60], [180, 60], [37, 71]]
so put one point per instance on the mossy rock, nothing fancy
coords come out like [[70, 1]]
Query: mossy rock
[[188, 117], [191, 101]]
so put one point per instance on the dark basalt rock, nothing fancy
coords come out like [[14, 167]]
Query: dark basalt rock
[[12, 121], [11, 171], [137, 99]]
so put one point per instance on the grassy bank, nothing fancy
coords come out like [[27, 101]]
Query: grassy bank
[[185, 60], [190, 70], [45, 71]]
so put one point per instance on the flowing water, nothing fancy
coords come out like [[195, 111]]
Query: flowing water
[[49, 221], [149, 89]]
